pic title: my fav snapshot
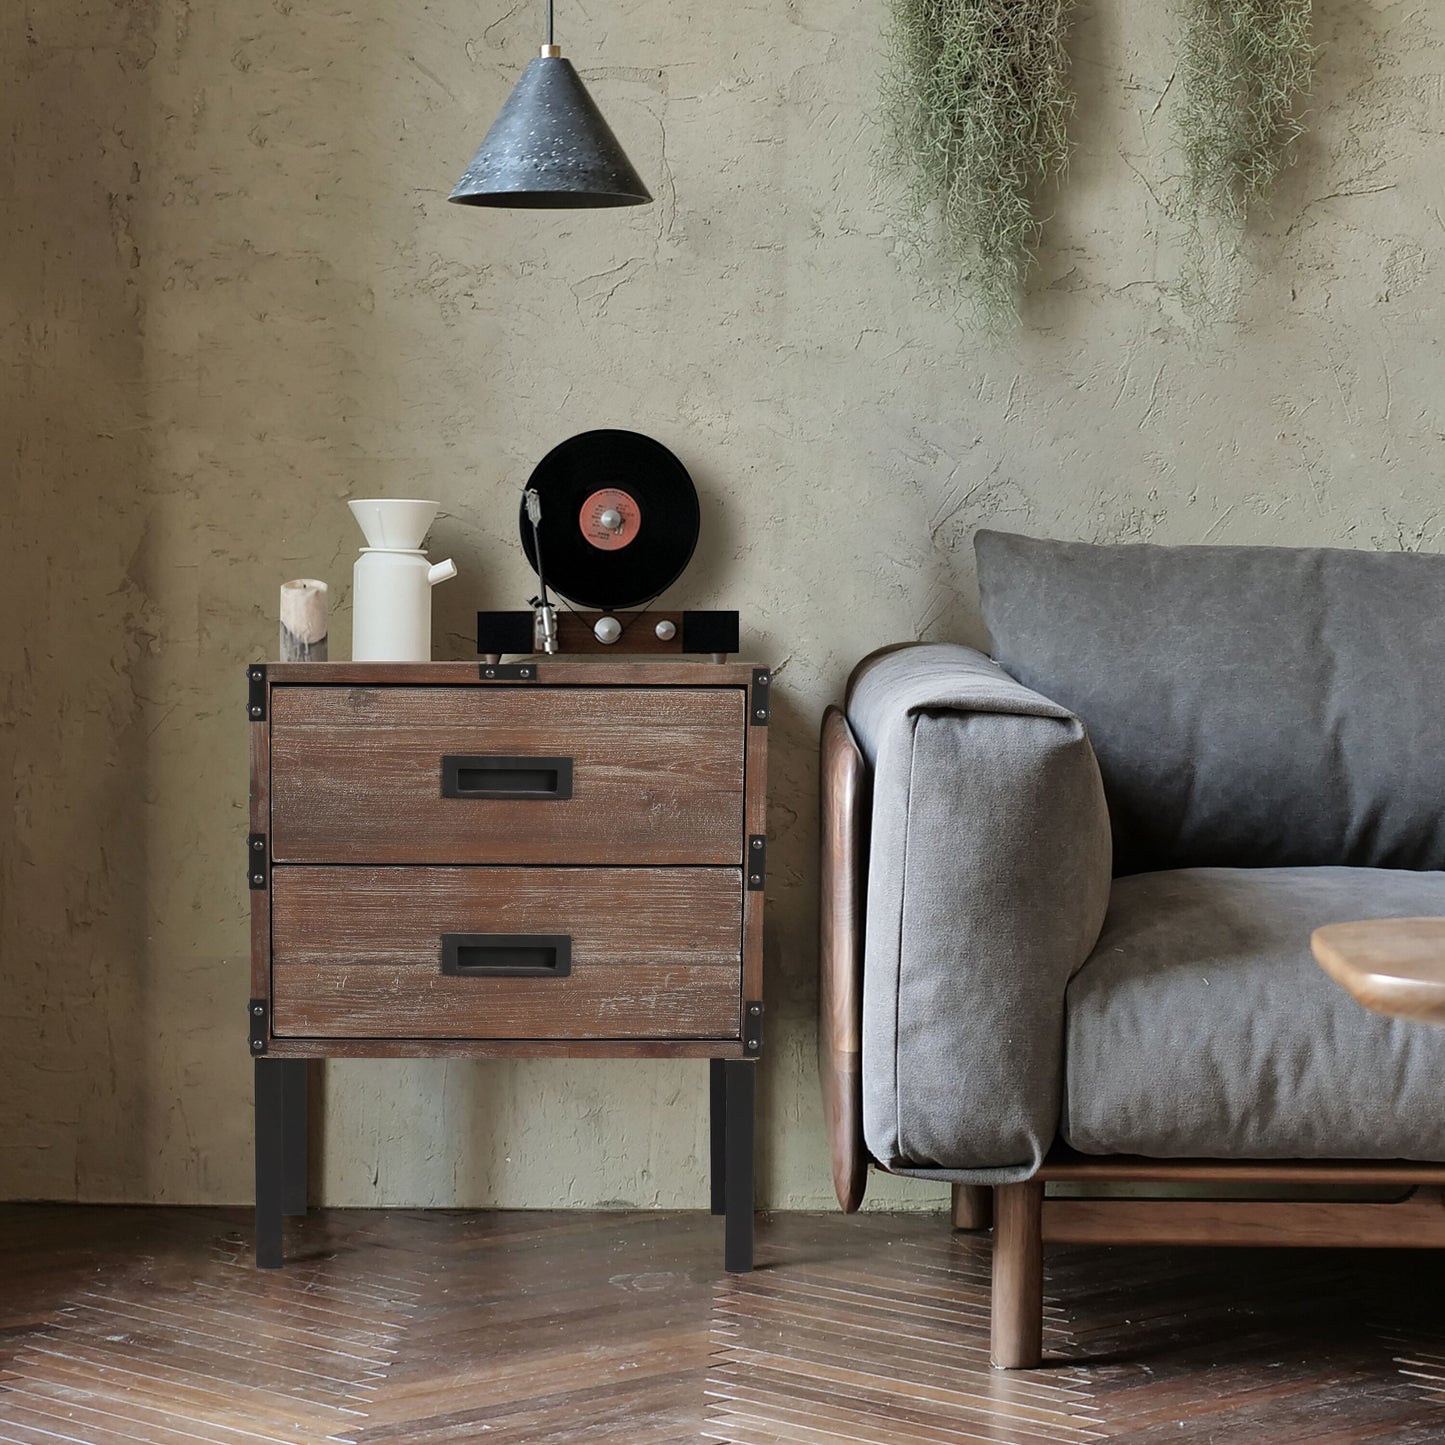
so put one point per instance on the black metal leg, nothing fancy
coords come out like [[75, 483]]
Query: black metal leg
[[293, 1128], [738, 1179], [717, 1124], [270, 1161]]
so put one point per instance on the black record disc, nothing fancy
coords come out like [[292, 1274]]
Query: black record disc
[[619, 519]]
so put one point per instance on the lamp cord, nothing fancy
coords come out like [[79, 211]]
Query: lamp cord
[[549, 23]]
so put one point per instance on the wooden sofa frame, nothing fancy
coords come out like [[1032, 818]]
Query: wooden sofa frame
[[1023, 1218]]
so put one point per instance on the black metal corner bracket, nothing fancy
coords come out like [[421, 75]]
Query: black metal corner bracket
[[507, 671], [259, 1017], [258, 867], [256, 692], [757, 863], [752, 1028], [759, 704]]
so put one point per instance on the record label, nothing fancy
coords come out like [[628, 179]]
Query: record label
[[610, 519]]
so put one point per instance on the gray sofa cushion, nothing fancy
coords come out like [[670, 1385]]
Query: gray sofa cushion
[[1202, 1026], [988, 878], [1249, 706]]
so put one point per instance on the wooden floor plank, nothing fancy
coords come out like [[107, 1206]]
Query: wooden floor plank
[[448, 1328]]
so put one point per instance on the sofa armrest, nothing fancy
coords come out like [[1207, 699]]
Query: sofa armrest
[[989, 871]]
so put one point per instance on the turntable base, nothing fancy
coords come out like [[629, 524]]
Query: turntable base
[[654, 634]]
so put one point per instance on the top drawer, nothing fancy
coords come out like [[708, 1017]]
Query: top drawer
[[560, 775]]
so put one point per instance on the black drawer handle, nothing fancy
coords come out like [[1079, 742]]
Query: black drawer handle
[[507, 955], [545, 779]]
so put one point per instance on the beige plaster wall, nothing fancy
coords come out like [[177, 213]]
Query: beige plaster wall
[[234, 296]]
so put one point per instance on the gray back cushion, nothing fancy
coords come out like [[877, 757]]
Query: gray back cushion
[[1249, 706]]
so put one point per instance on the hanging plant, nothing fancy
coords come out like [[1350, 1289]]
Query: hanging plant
[[976, 104], [1245, 69]]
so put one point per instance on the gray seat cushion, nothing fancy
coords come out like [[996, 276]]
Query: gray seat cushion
[[1201, 1025], [1249, 706]]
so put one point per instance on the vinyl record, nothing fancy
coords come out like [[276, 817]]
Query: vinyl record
[[619, 519]]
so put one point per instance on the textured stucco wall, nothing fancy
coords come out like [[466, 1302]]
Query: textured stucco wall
[[235, 296]]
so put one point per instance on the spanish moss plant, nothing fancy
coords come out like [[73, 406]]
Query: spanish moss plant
[[977, 104], [1245, 68]]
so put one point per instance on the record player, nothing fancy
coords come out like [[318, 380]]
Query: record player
[[609, 520]]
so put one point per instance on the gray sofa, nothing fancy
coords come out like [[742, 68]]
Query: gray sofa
[[1081, 878]]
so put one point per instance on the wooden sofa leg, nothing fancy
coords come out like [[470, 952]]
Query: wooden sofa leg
[[1017, 1323], [972, 1206]]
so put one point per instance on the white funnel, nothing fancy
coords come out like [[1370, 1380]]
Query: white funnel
[[395, 525]]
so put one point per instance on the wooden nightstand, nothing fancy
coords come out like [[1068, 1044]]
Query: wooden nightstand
[[534, 859]]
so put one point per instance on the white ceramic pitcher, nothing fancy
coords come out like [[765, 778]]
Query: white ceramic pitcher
[[392, 581]]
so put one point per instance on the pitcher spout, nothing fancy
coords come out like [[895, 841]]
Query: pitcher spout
[[441, 571]]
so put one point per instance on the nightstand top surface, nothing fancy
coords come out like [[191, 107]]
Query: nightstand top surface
[[547, 671]]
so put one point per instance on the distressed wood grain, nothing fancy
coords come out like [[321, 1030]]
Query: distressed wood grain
[[657, 775], [356, 952]]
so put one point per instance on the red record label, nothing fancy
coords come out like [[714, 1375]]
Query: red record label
[[609, 519]]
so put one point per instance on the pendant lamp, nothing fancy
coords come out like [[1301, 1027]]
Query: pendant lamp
[[550, 147]]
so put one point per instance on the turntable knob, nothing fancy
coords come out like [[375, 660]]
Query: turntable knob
[[666, 630], [607, 630]]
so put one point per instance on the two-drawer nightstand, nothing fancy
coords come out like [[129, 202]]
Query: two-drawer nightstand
[[540, 858]]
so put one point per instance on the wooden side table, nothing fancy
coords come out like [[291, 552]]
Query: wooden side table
[[548, 858], [1395, 966]]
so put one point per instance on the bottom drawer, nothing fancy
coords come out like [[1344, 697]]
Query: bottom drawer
[[506, 953]]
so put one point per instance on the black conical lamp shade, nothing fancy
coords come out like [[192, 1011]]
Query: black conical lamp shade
[[550, 147]]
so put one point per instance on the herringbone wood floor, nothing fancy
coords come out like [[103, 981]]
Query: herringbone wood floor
[[406, 1328]]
